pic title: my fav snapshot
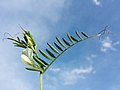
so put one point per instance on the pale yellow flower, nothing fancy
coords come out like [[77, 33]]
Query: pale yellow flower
[[27, 57]]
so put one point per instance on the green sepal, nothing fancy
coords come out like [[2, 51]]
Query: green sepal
[[45, 55], [34, 43], [58, 46], [60, 42], [84, 34], [55, 50], [50, 53], [28, 35], [65, 42]]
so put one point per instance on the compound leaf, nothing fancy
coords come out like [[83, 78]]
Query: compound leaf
[[45, 55], [85, 34], [50, 53], [55, 50], [65, 42], [60, 42], [58, 46]]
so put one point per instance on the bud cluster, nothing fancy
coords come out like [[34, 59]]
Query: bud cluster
[[29, 51]]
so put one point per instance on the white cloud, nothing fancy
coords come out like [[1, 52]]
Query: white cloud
[[71, 76], [97, 2], [107, 44], [66, 77], [55, 69], [91, 57]]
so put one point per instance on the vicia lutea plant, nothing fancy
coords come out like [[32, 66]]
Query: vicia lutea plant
[[30, 55]]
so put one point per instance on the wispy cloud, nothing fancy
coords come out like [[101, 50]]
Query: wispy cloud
[[96, 2], [91, 57], [66, 77], [72, 76], [55, 69], [108, 44]]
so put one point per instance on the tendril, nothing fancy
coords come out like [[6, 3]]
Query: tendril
[[103, 32], [6, 33]]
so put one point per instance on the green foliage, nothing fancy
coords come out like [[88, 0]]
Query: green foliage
[[66, 42], [45, 55], [30, 55], [79, 36], [69, 37], [34, 61], [60, 42], [53, 48], [58, 46], [50, 53]]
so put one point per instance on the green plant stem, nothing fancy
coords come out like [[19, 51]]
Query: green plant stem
[[40, 81]]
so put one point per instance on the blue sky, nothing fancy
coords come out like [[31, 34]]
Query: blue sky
[[90, 65]]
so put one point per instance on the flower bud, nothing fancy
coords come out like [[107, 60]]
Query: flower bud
[[29, 39]]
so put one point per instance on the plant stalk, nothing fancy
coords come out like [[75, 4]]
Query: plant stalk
[[40, 81]]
